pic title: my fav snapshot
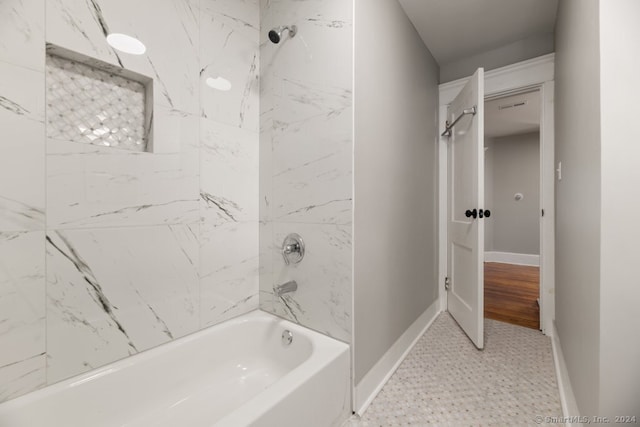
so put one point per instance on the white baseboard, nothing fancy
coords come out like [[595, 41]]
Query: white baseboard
[[512, 258], [367, 389], [567, 398]]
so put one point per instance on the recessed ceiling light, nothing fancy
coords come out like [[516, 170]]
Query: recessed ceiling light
[[219, 83], [126, 44]]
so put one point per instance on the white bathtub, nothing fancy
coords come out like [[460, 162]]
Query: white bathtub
[[238, 373]]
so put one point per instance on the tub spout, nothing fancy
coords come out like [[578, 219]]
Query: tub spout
[[287, 287]]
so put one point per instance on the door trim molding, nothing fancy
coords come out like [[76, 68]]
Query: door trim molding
[[536, 73], [514, 77]]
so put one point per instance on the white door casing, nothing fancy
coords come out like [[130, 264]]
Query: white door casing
[[465, 159], [536, 73]]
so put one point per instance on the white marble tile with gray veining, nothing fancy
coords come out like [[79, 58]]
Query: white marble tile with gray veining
[[22, 377], [266, 247], [265, 173], [312, 155], [114, 292], [306, 112], [323, 299], [81, 27], [24, 100], [21, 93], [22, 296], [22, 160], [22, 313], [228, 173], [245, 13], [321, 51], [228, 271], [169, 30], [22, 33], [267, 111], [229, 50], [306, 161], [93, 186]]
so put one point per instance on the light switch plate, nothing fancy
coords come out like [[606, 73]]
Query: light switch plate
[[559, 171]]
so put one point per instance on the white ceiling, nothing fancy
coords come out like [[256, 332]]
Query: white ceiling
[[454, 29], [512, 120]]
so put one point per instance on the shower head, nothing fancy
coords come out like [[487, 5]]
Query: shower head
[[276, 34]]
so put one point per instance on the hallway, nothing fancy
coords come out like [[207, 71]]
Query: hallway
[[445, 380]]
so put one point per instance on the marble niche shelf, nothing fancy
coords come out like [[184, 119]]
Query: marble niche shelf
[[97, 103]]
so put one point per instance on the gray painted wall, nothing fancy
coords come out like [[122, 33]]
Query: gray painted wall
[[596, 242], [488, 191], [511, 53], [512, 166], [620, 234], [395, 200], [578, 201]]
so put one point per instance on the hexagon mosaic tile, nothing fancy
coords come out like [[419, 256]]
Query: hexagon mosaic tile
[[88, 105], [446, 381]]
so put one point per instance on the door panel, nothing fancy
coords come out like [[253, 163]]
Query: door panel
[[465, 299]]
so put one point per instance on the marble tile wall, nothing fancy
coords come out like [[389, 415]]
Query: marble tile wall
[[22, 198], [106, 252], [306, 161]]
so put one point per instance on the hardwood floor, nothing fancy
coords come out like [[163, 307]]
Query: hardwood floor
[[511, 293]]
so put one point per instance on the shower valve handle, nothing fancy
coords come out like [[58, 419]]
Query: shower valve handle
[[293, 249], [287, 249]]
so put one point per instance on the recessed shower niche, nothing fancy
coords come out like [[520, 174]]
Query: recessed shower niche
[[92, 102]]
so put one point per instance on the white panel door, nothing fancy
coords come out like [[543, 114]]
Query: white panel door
[[465, 297]]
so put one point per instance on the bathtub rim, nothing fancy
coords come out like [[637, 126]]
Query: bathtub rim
[[322, 346]]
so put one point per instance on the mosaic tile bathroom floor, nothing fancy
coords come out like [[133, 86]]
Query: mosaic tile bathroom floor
[[445, 381]]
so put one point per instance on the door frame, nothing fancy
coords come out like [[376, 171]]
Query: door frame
[[537, 73]]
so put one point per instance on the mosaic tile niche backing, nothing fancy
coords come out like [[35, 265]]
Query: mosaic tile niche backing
[[92, 106]]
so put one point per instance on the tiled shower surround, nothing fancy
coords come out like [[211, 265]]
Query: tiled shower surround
[[306, 161], [106, 252]]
